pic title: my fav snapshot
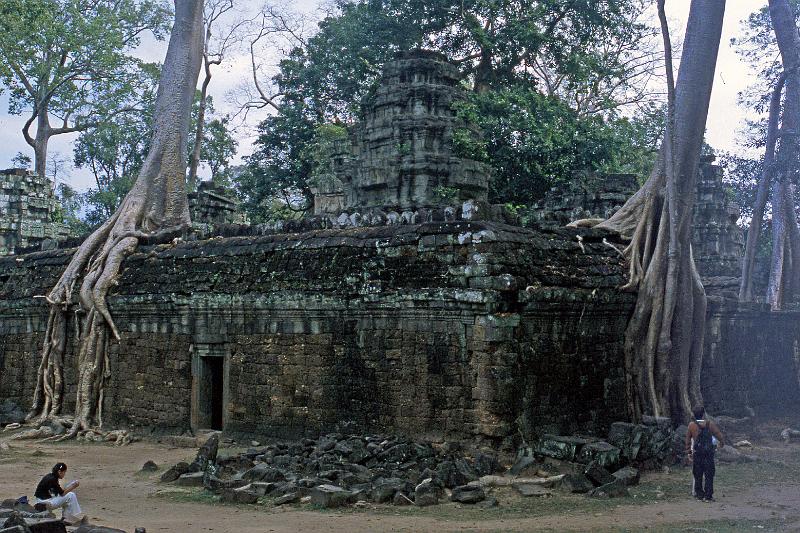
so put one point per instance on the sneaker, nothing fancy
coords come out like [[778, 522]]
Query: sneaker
[[708, 500]]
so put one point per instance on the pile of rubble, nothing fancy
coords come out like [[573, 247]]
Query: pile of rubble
[[337, 469]]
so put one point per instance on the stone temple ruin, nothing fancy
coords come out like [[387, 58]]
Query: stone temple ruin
[[27, 208], [395, 310], [401, 155]]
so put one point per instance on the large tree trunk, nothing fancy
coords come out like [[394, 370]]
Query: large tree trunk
[[155, 208], [762, 193], [194, 162], [784, 264], [40, 143], [664, 340]]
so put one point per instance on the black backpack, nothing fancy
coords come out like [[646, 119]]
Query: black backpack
[[703, 443]]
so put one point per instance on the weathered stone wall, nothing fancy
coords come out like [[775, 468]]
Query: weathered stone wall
[[751, 359], [460, 329]]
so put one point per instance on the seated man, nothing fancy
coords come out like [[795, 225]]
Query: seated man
[[52, 496]]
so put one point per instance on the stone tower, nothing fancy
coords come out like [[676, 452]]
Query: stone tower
[[27, 208], [401, 154]]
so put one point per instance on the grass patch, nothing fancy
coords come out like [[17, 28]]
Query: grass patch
[[725, 525]]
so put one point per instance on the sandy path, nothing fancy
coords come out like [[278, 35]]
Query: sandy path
[[112, 494]]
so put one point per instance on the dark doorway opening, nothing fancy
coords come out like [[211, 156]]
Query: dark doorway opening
[[216, 368], [211, 389]]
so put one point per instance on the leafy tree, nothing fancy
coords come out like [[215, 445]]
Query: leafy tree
[[156, 208], [70, 203], [67, 61], [504, 50], [218, 149]]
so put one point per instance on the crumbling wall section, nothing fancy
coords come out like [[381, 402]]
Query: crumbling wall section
[[448, 329]]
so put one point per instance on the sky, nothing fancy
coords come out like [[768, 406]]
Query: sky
[[722, 129]]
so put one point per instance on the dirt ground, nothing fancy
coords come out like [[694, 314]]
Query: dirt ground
[[762, 496]]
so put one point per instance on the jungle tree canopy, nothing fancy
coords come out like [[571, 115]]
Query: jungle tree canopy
[[554, 73]]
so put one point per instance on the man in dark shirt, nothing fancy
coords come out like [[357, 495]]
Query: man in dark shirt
[[50, 494], [700, 446]]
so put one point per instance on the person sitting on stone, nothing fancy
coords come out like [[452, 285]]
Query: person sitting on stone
[[700, 446], [50, 494]]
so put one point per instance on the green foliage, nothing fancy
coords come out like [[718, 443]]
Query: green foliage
[[68, 210], [758, 47], [218, 149], [446, 194], [280, 167], [21, 160], [69, 58], [115, 150], [321, 150], [536, 131], [533, 142]]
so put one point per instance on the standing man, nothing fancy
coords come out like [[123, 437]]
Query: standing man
[[700, 447], [51, 495]]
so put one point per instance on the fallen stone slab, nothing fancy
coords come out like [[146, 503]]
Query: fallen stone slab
[[729, 454], [193, 479], [615, 489], [291, 497], [575, 484], [245, 495], [602, 453], [598, 475], [468, 494], [506, 481], [628, 475], [89, 528], [331, 496], [174, 472]]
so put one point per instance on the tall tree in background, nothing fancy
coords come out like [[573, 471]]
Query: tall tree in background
[[775, 29], [67, 61], [785, 265], [664, 339], [218, 42], [155, 208]]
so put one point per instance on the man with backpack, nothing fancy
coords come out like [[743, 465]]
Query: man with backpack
[[700, 447]]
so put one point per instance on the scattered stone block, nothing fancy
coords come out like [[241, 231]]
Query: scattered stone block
[[602, 453], [614, 489], [245, 495], [149, 466], [331, 496], [192, 479], [468, 494], [428, 492], [598, 475], [575, 484], [565, 448], [290, 497], [628, 475]]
